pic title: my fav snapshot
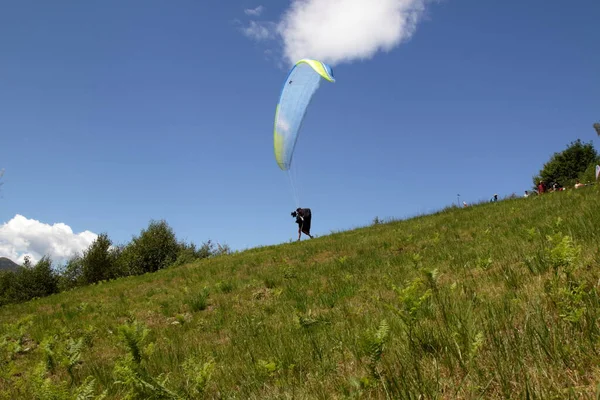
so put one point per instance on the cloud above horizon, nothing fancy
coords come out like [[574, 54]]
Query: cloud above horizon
[[338, 31], [254, 11], [261, 30], [22, 237]]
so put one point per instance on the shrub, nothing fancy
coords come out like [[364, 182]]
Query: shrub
[[156, 248]]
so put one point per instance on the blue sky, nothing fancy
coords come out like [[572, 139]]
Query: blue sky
[[114, 113]]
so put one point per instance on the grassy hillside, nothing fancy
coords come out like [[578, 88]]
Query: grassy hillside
[[492, 301]]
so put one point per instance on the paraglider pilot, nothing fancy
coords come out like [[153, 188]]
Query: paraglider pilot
[[303, 217]]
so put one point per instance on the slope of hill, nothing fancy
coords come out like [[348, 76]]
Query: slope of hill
[[493, 301], [7, 264]]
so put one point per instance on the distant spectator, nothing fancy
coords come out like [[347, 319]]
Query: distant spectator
[[495, 198], [526, 194], [464, 204], [541, 187], [578, 184]]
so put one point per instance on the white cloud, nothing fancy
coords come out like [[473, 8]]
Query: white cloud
[[337, 31], [22, 236], [260, 30], [255, 12]]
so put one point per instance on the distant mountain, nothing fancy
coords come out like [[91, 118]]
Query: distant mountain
[[7, 264]]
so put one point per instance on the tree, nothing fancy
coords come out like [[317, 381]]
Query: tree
[[589, 175], [71, 274], [7, 284], [156, 248], [46, 279], [37, 280], [188, 253], [98, 262], [567, 166]]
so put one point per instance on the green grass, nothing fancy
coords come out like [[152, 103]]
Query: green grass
[[491, 301]]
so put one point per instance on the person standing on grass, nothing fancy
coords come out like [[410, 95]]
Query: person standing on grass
[[541, 187], [303, 219]]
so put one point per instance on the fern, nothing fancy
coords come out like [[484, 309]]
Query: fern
[[43, 388], [133, 335], [310, 319], [48, 345], [431, 276], [378, 342], [374, 347], [73, 355], [86, 391], [129, 371], [476, 345], [270, 367], [570, 301], [139, 384], [89, 335], [564, 253], [198, 375], [413, 298]]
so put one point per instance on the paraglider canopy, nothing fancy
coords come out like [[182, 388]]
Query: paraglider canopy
[[298, 89]]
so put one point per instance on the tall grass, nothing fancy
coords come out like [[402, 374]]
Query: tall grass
[[491, 301]]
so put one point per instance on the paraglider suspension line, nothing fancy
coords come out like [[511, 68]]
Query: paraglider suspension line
[[293, 186]]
